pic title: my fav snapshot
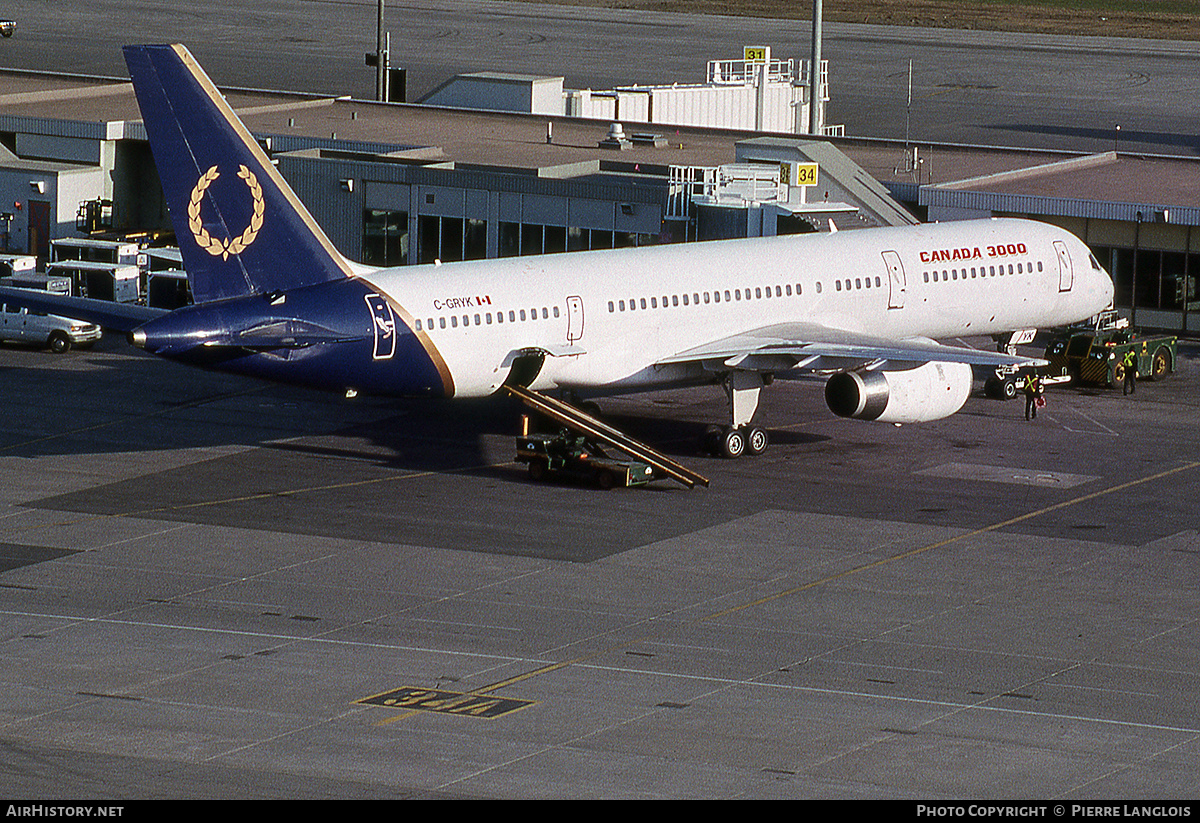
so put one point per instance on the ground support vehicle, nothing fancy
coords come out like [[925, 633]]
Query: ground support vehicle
[[1096, 354], [575, 456], [58, 334], [1013, 383], [592, 430], [1008, 381]]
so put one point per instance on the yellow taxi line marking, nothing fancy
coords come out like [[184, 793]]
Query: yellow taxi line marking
[[930, 547], [404, 716], [350, 484], [526, 676], [841, 575], [555, 667]]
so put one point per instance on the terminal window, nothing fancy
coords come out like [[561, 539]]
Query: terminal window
[[385, 238], [450, 239]]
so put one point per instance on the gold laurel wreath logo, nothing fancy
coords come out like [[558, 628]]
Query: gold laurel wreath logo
[[213, 245]]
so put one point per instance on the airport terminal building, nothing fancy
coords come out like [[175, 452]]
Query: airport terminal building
[[404, 184]]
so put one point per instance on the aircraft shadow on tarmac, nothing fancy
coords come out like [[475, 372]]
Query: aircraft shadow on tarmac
[[94, 402]]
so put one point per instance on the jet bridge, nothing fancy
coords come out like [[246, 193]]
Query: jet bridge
[[576, 420]]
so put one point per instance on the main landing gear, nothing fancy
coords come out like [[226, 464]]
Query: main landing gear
[[742, 437], [727, 441]]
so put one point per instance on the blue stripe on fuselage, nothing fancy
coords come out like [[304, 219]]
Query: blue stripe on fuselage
[[336, 335]]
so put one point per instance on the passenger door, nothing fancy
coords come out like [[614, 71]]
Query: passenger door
[[1066, 274], [574, 318], [896, 281], [14, 322]]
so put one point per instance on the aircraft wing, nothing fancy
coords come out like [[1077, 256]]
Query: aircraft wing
[[122, 317], [812, 345]]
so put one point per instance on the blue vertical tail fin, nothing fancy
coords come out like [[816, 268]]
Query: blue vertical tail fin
[[240, 227]]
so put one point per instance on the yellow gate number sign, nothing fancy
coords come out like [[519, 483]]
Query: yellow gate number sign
[[806, 174]]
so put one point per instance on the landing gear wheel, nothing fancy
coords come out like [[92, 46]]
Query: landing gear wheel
[[998, 388], [733, 444], [710, 441], [756, 440]]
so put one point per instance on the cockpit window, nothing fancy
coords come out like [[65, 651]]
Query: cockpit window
[[1095, 262]]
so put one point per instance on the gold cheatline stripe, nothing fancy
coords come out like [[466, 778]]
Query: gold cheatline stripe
[[269, 169]]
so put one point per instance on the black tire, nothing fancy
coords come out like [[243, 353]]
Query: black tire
[[1160, 366], [1009, 389], [756, 440], [710, 441], [59, 342], [733, 444], [1117, 376], [537, 470], [606, 479]]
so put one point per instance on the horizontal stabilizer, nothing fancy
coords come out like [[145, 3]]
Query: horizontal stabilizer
[[122, 317]]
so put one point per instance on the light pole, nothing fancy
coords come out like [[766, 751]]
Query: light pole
[[814, 73]]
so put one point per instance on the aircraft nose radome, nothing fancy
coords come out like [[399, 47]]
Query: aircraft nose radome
[[1104, 287]]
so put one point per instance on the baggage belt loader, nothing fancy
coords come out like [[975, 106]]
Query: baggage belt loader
[[573, 455], [576, 449]]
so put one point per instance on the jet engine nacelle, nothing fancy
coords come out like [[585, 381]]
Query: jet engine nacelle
[[928, 392]]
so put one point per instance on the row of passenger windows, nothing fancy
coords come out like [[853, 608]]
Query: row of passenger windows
[[695, 298], [859, 283], [486, 318], [982, 271], [728, 295]]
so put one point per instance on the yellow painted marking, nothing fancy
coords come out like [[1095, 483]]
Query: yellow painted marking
[[390, 720], [391, 478], [831, 578], [986, 529], [462, 704]]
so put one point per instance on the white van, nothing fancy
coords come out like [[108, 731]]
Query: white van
[[58, 334]]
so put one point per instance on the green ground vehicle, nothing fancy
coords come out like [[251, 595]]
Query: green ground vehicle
[[575, 456], [1096, 354]]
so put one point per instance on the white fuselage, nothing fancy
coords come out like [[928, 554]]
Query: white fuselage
[[607, 318]]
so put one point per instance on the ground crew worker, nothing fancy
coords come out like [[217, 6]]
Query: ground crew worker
[[1033, 394], [1130, 362]]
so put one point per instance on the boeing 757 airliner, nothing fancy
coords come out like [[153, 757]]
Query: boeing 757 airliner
[[275, 299]]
